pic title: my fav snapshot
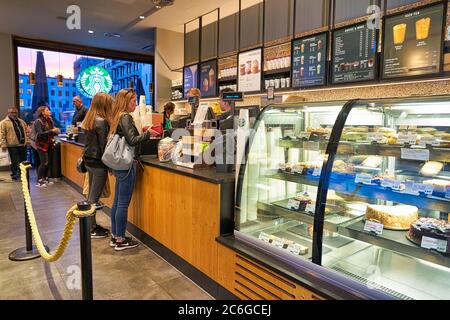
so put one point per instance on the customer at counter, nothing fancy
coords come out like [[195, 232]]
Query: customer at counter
[[123, 124], [45, 132], [80, 110], [96, 129]]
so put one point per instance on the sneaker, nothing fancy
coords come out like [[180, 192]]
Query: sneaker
[[126, 244], [41, 184], [99, 206], [48, 182], [113, 241], [99, 232]]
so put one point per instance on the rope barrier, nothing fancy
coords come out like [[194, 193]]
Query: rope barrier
[[71, 216]]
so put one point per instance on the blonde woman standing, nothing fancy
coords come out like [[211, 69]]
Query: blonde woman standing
[[96, 127], [122, 123]]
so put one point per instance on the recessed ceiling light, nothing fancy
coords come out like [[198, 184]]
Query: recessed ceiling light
[[91, 31], [141, 17]]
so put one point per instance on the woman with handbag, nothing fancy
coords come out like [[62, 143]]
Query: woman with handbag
[[45, 132], [122, 125], [96, 128]]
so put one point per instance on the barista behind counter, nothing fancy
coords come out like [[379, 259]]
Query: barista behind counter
[[194, 97]]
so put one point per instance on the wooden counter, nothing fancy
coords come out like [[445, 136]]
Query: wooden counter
[[185, 211]]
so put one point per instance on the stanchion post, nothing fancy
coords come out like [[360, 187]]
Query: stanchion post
[[29, 252], [86, 254]]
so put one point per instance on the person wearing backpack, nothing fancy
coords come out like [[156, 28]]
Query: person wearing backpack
[[96, 128], [45, 132], [123, 125]]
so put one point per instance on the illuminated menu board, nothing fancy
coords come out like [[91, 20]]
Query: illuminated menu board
[[354, 54], [309, 61], [190, 78], [413, 43]]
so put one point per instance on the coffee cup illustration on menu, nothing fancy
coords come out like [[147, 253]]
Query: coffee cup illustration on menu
[[255, 66], [205, 85], [423, 28], [399, 31]]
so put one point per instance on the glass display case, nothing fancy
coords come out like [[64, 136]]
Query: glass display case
[[361, 188]]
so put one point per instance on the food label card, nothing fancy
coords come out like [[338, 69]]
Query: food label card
[[310, 208], [363, 178], [407, 139], [294, 204], [295, 249], [416, 154], [375, 136], [435, 244], [372, 226], [264, 237], [279, 243], [311, 145], [317, 172]]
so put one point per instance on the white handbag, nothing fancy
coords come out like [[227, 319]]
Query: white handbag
[[118, 155]]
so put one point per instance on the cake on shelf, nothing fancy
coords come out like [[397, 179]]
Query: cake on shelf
[[392, 217], [431, 168], [304, 200], [429, 227], [438, 185]]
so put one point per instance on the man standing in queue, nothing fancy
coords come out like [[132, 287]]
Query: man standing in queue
[[80, 110], [14, 139]]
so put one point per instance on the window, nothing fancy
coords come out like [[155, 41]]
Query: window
[[73, 94], [52, 83], [53, 104], [21, 90], [59, 93], [29, 91], [67, 93], [53, 93], [67, 85], [60, 104], [22, 103], [20, 80], [74, 85]]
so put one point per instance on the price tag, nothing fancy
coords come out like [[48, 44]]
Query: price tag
[[425, 188], [317, 172], [416, 154], [412, 188], [310, 207], [304, 135], [363, 178], [435, 244], [372, 226], [375, 136], [295, 248], [293, 204], [430, 141], [279, 243], [407, 139], [298, 169], [311, 145], [264, 237]]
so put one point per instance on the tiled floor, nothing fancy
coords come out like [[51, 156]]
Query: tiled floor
[[131, 274]]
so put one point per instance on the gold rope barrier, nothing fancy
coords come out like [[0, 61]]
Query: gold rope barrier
[[71, 215]]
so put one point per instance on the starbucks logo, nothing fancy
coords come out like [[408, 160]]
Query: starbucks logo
[[94, 80]]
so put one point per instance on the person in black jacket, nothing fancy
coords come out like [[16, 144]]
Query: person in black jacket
[[45, 133], [123, 124], [80, 110], [96, 128]]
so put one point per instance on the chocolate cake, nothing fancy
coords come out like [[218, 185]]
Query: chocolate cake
[[432, 228]]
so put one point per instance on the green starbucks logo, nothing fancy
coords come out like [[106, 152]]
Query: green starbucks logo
[[94, 80]]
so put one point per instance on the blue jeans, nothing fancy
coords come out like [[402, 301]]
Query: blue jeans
[[125, 182]]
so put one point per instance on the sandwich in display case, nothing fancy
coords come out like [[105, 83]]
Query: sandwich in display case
[[359, 188]]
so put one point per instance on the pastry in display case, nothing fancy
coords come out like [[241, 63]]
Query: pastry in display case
[[379, 194]]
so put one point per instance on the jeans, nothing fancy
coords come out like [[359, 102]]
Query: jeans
[[43, 164], [17, 155], [97, 180], [125, 182]]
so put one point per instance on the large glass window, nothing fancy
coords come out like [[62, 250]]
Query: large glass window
[[78, 73]]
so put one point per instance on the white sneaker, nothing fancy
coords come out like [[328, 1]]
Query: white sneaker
[[41, 184]]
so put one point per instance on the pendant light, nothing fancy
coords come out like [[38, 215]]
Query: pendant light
[[59, 77], [31, 75]]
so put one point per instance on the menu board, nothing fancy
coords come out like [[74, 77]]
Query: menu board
[[354, 54], [413, 42], [190, 78], [310, 58], [208, 79], [249, 75]]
